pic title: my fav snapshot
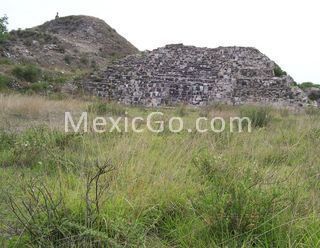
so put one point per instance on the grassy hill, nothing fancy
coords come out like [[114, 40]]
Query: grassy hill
[[53, 57], [67, 43]]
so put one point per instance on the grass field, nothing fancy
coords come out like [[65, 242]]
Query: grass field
[[258, 189]]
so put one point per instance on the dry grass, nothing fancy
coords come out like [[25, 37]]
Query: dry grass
[[36, 105], [18, 112]]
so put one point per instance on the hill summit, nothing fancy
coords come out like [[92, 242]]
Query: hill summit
[[198, 76], [68, 42]]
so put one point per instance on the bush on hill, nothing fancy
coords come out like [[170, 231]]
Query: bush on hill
[[278, 72], [29, 73]]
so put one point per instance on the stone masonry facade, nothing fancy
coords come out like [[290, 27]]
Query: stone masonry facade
[[178, 74]]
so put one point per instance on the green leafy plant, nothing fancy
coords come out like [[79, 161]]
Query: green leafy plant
[[67, 59], [3, 28], [29, 73], [236, 203], [307, 85], [47, 221], [278, 72], [5, 61], [259, 116], [4, 82], [39, 86]]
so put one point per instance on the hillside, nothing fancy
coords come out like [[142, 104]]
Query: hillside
[[58, 55], [67, 43]]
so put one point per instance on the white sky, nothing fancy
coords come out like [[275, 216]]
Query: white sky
[[288, 31]]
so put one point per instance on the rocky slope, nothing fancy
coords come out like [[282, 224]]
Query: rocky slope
[[66, 43], [198, 76]]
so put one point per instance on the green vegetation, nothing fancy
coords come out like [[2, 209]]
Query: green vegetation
[[84, 59], [278, 72], [259, 116], [181, 110], [103, 108], [314, 96], [312, 89], [5, 61], [39, 86], [29, 73], [30, 78], [93, 64], [307, 85], [56, 77], [258, 189], [4, 82], [3, 29], [313, 111], [67, 58]]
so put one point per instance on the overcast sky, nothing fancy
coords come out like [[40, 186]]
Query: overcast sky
[[285, 30]]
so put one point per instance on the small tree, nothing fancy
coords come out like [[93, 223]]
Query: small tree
[[3, 28]]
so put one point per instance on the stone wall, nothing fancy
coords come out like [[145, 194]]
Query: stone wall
[[198, 76]]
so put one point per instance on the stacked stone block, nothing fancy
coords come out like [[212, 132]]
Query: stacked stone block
[[198, 76]]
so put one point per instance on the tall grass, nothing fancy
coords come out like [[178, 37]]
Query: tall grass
[[36, 105], [102, 108], [259, 116], [258, 189], [4, 82]]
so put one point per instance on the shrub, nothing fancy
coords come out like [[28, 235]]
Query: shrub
[[6, 140], [259, 116], [4, 82], [307, 85], [278, 72], [39, 86], [61, 48], [314, 96], [93, 64], [84, 60], [30, 73], [67, 59], [3, 29], [5, 61]]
